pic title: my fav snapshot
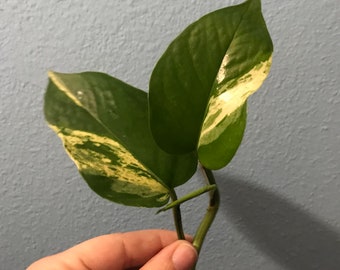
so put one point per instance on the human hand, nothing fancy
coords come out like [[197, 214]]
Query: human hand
[[144, 250]]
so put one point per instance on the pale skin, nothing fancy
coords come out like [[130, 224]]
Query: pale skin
[[145, 250]]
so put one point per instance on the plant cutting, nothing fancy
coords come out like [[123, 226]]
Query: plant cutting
[[137, 148]]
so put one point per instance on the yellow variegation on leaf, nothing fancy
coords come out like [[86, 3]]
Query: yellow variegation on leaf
[[103, 124], [226, 113]]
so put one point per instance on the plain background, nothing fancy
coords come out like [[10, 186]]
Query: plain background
[[281, 193]]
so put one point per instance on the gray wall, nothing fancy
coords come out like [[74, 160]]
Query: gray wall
[[280, 205]]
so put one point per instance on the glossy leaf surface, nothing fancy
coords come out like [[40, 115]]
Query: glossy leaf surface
[[199, 87], [103, 124]]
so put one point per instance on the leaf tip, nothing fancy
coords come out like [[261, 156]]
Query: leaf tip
[[53, 75], [50, 73]]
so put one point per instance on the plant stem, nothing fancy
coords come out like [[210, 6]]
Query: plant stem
[[177, 216], [214, 201], [187, 197]]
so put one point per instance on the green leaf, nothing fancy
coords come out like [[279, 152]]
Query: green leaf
[[103, 124], [199, 87]]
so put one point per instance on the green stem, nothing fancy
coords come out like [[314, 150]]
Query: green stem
[[177, 216], [214, 202], [187, 197]]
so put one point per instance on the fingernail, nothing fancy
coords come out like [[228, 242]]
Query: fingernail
[[184, 257]]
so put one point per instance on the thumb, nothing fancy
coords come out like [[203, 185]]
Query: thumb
[[180, 255]]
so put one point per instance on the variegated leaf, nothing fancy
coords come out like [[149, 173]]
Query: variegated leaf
[[225, 119], [103, 124], [199, 87]]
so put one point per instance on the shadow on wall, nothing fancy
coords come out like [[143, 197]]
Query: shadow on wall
[[291, 236]]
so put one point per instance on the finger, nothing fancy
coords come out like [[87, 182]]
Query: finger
[[180, 255], [114, 251]]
